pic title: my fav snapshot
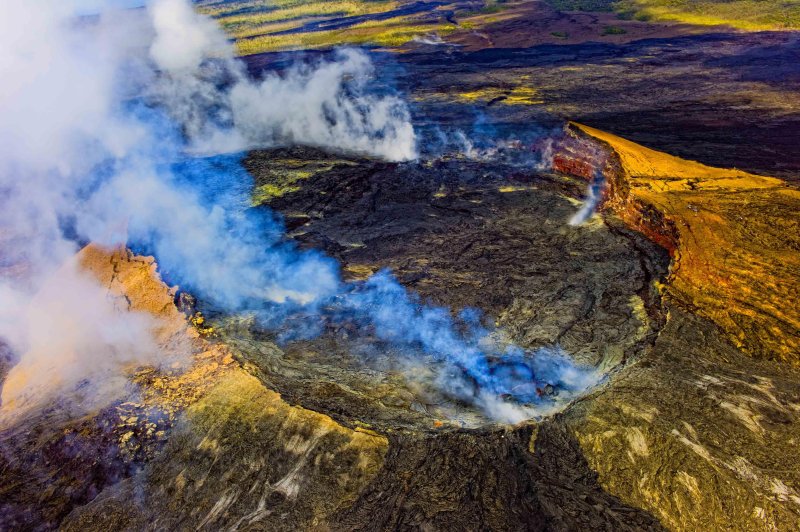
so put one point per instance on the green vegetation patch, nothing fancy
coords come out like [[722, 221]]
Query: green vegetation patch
[[379, 33], [741, 14], [614, 30], [285, 176], [258, 26]]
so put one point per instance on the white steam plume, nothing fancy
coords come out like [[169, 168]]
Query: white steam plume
[[97, 117], [94, 110], [325, 104], [184, 39], [593, 194], [68, 324]]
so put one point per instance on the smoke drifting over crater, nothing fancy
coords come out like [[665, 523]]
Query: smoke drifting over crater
[[328, 104], [103, 118]]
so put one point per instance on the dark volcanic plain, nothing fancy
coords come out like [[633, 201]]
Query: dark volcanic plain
[[724, 99]]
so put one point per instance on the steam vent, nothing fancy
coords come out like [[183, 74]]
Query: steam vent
[[400, 265]]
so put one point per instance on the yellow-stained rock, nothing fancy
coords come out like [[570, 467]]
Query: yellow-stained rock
[[734, 238], [135, 279]]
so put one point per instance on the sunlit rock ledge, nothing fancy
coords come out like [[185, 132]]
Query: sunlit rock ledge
[[734, 238]]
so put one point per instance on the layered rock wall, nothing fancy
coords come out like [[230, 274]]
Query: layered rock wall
[[734, 237]]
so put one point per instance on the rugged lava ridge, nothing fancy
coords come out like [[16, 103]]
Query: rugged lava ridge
[[734, 237]]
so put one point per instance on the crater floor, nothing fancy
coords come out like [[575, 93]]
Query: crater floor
[[462, 234]]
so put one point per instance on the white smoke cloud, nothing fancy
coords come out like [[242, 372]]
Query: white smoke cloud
[[310, 105], [183, 38], [327, 104], [593, 195], [93, 111], [99, 119]]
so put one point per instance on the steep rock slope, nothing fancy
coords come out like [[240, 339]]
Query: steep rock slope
[[734, 237], [206, 420], [696, 430]]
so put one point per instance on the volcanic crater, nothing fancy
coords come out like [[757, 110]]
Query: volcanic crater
[[539, 282], [355, 440]]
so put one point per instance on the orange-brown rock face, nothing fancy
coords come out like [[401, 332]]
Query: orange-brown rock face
[[734, 238], [101, 316], [135, 280]]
